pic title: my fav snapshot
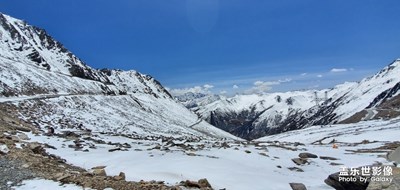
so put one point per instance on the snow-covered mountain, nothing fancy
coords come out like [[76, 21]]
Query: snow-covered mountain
[[254, 116], [194, 100], [50, 86]]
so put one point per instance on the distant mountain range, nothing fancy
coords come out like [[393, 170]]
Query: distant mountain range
[[254, 116]]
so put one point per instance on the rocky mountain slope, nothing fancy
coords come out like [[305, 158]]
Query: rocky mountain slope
[[254, 116], [51, 87]]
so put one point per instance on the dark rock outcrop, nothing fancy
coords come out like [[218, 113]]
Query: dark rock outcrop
[[297, 186]]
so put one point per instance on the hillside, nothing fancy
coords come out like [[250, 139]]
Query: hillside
[[51, 87]]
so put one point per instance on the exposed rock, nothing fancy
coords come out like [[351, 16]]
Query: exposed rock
[[23, 129], [114, 149], [23, 137], [120, 177], [98, 167], [190, 184], [203, 183], [297, 186], [99, 172], [63, 177], [307, 155], [191, 154], [247, 151], [394, 156], [354, 184], [300, 161], [263, 154], [4, 149], [36, 148], [386, 185], [335, 164], [296, 169], [328, 158]]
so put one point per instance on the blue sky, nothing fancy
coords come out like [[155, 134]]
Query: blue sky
[[280, 45]]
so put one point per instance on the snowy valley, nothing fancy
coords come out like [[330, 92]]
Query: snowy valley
[[117, 129]]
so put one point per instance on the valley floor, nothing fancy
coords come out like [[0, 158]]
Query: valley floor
[[265, 163]]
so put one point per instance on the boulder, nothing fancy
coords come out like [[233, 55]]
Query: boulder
[[356, 184], [98, 167], [327, 158], [23, 136], [296, 169], [203, 183], [300, 161], [120, 177], [36, 148], [394, 156], [307, 155], [386, 185], [297, 186], [190, 184], [99, 172], [4, 149]]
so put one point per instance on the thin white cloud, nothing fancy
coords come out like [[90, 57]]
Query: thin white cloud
[[223, 92], [303, 74], [235, 86], [338, 70], [208, 86], [261, 87], [205, 89], [319, 76]]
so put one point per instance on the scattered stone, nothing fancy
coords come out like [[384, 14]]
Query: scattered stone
[[296, 169], [263, 154], [307, 155], [98, 167], [297, 186], [114, 149], [247, 151], [23, 136], [191, 154], [279, 166], [120, 177], [335, 164], [99, 172], [36, 148], [49, 146], [203, 183], [190, 184], [298, 144], [225, 145], [328, 158], [25, 165], [4, 149], [394, 156], [63, 177], [300, 161], [23, 129]]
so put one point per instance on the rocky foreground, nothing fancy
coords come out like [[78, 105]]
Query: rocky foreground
[[21, 160], [306, 159]]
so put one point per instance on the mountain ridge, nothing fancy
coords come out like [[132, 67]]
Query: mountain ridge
[[50, 86], [254, 116]]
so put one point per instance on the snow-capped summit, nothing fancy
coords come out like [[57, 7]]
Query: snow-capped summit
[[50, 86]]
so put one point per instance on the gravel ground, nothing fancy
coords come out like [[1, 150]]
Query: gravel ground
[[12, 173]]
